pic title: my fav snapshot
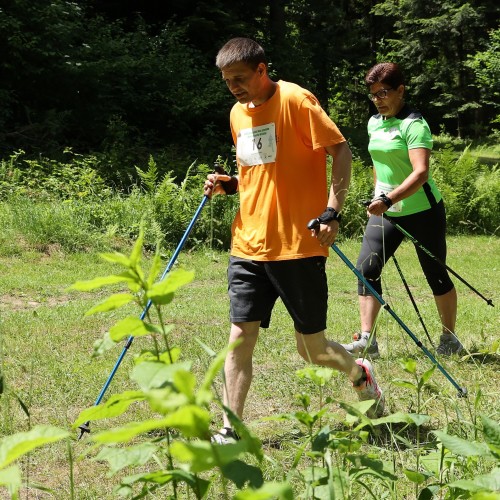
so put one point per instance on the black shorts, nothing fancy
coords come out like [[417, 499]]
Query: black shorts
[[254, 286]]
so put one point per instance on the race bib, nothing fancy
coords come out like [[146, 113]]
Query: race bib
[[257, 145], [382, 187]]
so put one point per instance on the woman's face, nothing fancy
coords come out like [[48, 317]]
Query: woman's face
[[391, 104]]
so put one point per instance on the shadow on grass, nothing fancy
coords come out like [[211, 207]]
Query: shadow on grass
[[405, 436], [484, 358]]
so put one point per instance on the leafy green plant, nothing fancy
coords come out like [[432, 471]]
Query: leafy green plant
[[15, 446], [331, 463], [179, 403], [456, 455], [471, 191]]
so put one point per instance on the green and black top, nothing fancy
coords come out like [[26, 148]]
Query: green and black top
[[390, 141]]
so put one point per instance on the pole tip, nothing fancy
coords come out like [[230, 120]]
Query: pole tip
[[84, 429], [462, 393]]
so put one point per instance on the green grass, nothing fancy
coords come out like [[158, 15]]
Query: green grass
[[46, 344]]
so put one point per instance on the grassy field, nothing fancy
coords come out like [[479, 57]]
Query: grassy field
[[46, 346]]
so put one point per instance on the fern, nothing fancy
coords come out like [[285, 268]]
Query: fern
[[149, 178]]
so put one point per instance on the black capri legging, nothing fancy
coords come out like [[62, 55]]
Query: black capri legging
[[381, 240]]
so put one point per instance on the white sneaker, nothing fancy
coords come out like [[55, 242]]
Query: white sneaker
[[370, 390], [225, 436], [362, 346]]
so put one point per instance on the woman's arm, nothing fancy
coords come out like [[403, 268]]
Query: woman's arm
[[419, 159]]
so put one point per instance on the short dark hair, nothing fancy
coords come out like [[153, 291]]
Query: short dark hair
[[240, 50], [386, 72]]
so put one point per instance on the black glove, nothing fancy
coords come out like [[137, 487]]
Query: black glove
[[328, 215]]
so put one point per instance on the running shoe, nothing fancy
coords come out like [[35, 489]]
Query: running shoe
[[363, 346], [370, 390], [225, 436], [449, 344]]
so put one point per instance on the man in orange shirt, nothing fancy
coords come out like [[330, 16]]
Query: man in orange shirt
[[282, 137]]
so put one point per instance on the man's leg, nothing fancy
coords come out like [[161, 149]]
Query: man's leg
[[316, 349], [238, 367]]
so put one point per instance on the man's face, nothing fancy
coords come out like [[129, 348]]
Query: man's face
[[245, 83]]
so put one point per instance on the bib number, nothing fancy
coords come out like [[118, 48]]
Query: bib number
[[257, 145]]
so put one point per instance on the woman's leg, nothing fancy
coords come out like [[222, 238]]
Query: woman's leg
[[380, 241]]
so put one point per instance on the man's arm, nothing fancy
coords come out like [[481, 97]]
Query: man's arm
[[341, 174], [341, 177]]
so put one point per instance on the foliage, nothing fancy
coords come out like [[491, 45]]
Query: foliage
[[179, 455], [121, 82], [486, 66], [178, 402], [471, 191], [17, 445], [312, 444], [49, 205]]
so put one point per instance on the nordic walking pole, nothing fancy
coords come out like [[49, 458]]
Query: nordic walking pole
[[86, 426], [439, 261], [412, 299], [462, 391]]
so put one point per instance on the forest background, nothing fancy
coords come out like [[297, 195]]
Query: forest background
[[112, 113], [123, 80], [116, 108]]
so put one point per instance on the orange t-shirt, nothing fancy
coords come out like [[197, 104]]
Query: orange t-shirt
[[282, 174]]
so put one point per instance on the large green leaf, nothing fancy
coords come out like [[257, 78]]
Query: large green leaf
[[415, 476], [405, 384], [185, 382], [491, 432], [489, 482], [428, 374], [203, 455], [191, 420], [270, 491], [162, 292], [11, 478], [14, 446], [116, 258], [102, 345], [463, 447], [166, 400], [133, 456], [240, 473], [113, 407], [155, 374], [113, 302], [198, 485], [88, 285], [129, 431], [131, 325]]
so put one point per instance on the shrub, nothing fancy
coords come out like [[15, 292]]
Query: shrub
[[471, 191]]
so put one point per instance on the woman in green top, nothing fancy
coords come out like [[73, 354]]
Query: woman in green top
[[400, 146]]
